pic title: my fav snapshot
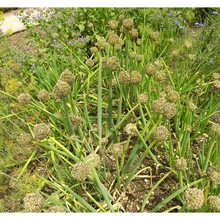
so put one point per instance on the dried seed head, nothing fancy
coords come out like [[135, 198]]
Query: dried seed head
[[134, 33], [41, 131], [214, 203], [121, 17], [150, 69], [90, 63], [113, 63], [93, 50], [216, 75], [93, 159], [169, 110], [124, 77], [61, 90], [135, 77], [113, 24], [43, 95], [142, 98], [24, 139], [194, 198], [192, 106], [214, 174], [24, 98], [128, 23], [117, 150], [216, 84], [139, 57], [161, 133], [155, 35], [101, 43], [130, 129], [215, 129], [158, 105], [67, 76], [55, 209], [33, 202], [80, 171], [132, 55], [160, 76], [171, 40], [181, 164], [73, 137]]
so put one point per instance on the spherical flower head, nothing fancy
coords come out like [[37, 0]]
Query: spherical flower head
[[33, 202], [142, 98], [175, 53], [216, 75], [135, 77], [41, 131], [161, 133], [216, 84], [113, 63], [214, 174], [117, 150], [113, 24], [90, 63], [67, 76], [128, 23], [150, 69], [194, 198], [214, 203], [171, 40], [130, 129], [124, 77], [24, 139], [139, 41], [93, 50], [181, 164], [114, 39], [216, 129], [169, 110], [76, 121], [192, 106], [216, 117], [134, 33], [101, 43], [61, 90], [43, 95], [187, 44], [172, 96], [160, 76], [158, 105], [80, 171], [55, 35], [158, 64], [192, 56], [24, 98], [93, 159], [90, 25], [132, 55], [155, 35], [117, 47], [55, 209], [121, 17], [139, 57]]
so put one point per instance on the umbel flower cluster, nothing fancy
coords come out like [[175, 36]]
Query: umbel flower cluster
[[63, 85]]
